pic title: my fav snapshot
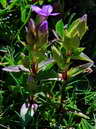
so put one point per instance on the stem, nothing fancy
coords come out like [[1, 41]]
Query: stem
[[24, 127], [29, 14], [63, 96], [63, 91]]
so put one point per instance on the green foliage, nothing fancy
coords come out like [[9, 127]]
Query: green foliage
[[78, 27], [42, 85], [84, 124], [24, 12], [4, 3], [60, 28]]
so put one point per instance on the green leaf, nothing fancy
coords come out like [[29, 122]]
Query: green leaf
[[85, 125], [14, 3], [79, 69], [44, 75], [24, 9], [80, 114], [78, 27], [83, 57], [41, 2], [71, 42], [71, 18], [1, 92], [60, 28], [77, 51], [3, 3], [58, 57], [46, 65]]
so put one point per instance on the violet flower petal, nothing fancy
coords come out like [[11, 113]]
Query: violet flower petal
[[44, 11], [47, 9], [54, 14], [36, 9]]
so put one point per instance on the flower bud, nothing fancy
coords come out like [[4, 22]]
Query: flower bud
[[26, 109], [31, 32], [43, 32], [43, 27]]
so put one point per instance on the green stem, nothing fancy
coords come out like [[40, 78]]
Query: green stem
[[24, 127], [14, 78], [24, 23]]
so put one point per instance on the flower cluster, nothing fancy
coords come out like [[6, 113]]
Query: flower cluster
[[37, 36], [39, 32]]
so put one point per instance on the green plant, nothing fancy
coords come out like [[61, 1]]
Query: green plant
[[42, 81]]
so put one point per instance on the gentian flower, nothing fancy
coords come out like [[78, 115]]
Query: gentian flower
[[45, 11], [43, 32], [37, 33], [31, 32], [26, 107], [43, 27]]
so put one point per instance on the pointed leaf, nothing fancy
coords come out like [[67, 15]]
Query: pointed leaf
[[82, 56], [17, 68], [80, 114], [71, 42], [78, 27], [79, 69], [58, 57], [24, 9], [60, 28], [3, 3], [46, 65]]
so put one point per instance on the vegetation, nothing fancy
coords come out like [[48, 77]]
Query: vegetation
[[47, 69]]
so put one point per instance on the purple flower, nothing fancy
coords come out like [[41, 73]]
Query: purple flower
[[45, 11], [37, 32], [84, 18], [43, 27], [33, 28], [43, 32]]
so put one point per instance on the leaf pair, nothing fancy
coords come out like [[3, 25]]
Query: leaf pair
[[70, 36], [19, 68]]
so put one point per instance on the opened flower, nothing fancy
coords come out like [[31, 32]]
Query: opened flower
[[45, 11]]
